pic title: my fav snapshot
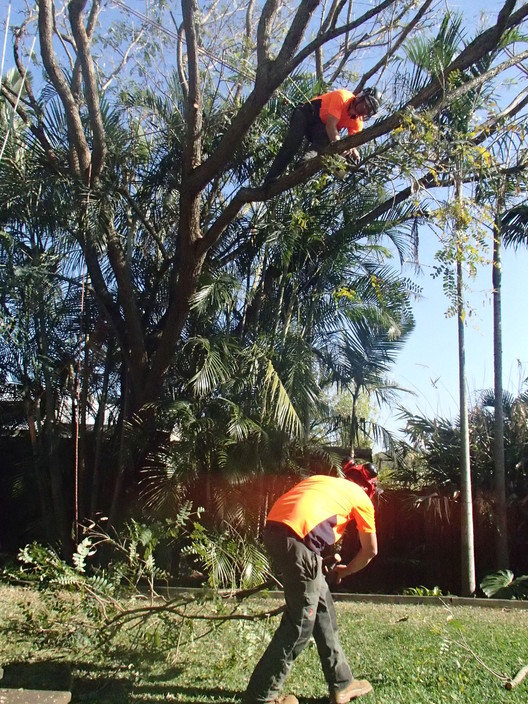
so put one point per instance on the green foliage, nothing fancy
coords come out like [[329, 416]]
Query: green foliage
[[503, 585], [41, 564], [430, 454], [231, 560], [130, 558], [84, 550], [423, 591]]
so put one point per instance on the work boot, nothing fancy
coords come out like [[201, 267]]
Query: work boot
[[286, 699], [357, 688]]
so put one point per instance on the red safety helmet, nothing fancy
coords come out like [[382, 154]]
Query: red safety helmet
[[366, 475]]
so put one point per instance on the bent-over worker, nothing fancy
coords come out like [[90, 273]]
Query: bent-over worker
[[306, 520]]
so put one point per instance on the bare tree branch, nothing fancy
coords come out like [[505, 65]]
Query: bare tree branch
[[296, 32], [79, 153], [394, 47], [123, 61], [193, 104], [264, 31], [135, 348], [334, 33], [77, 71], [90, 87], [146, 224]]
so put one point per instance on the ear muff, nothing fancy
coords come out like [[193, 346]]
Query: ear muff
[[366, 475]]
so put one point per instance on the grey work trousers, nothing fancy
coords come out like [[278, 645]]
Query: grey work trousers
[[305, 123], [309, 612]]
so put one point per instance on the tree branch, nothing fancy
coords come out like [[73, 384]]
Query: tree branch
[[392, 50], [146, 224], [333, 34], [264, 31], [77, 69], [104, 298], [36, 129], [135, 347], [79, 152], [193, 103], [90, 88], [296, 32]]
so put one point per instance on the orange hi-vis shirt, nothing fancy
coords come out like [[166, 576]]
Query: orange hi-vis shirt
[[336, 104], [319, 508]]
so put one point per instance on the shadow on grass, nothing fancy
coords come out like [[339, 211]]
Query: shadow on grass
[[197, 695], [43, 674], [96, 683], [111, 685]]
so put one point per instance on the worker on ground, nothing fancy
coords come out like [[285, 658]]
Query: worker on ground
[[320, 120], [303, 523]]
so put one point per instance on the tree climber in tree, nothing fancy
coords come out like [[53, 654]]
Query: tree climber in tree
[[304, 522], [320, 120]]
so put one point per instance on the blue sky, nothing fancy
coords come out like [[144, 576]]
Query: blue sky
[[428, 364]]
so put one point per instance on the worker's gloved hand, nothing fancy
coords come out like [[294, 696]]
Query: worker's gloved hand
[[329, 565], [337, 573], [353, 155]]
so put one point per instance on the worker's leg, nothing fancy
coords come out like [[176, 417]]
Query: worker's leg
[[317, 136], [299, 573], [334, 663], [292, 142], [316, 131]]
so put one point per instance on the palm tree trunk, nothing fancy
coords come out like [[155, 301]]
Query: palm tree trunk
[[99, 433], [119, 484], [354, 430], [501, 522], [39, 475], [466, 527]]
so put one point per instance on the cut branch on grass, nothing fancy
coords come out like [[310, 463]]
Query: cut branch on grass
[[519, 677]]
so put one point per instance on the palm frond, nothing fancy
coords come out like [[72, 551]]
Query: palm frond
[[278, 403]]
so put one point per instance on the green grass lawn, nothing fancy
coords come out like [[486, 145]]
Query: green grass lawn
[[412, 654]]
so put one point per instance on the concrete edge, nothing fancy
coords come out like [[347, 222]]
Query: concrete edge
[[34, 696], [403, 599]]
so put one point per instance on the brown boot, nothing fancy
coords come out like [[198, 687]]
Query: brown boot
[[357, 688], [286, 699]]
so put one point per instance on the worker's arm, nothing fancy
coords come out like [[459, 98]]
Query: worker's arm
[[367, 551], [331, 128], [333, 136]]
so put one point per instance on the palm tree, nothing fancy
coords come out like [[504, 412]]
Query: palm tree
[[452, 127]]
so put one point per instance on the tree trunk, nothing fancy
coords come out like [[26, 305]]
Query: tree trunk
[[501, 522], [49, 458], [467, 538], [40, 477], [354, 433], [122, 460], [99, 433]]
